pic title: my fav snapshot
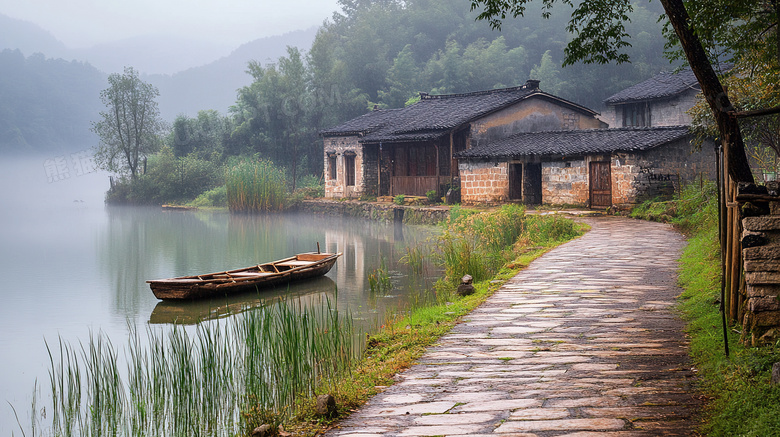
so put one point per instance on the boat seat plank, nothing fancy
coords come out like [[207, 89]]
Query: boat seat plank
[[251, 274], [295, 263]]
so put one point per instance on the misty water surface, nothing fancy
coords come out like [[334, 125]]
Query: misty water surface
[[71, 266]]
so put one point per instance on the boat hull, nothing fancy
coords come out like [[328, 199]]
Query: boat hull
[[300, 267]]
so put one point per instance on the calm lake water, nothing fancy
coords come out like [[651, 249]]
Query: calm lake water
[[71, 266]]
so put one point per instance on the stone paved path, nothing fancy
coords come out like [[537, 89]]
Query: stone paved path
[[583, 342]]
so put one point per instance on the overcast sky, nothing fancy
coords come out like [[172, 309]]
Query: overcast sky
[[82, 23]]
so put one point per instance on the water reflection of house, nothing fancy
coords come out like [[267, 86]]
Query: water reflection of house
[[522, 144], [410, 150], [351, 265]]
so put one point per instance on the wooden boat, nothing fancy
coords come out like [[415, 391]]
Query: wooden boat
[[188, 312], [301, 266]]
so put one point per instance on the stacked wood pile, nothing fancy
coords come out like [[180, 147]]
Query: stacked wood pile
[[760, 241]]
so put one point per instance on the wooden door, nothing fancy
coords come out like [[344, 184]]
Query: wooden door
[[515, 181], [600, 185]]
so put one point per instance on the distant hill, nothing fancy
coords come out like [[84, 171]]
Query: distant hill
[[46, 105], [214, 86], [49, 94], [29, 38]]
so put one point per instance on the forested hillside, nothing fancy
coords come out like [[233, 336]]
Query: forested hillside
[[47, 104], [391, 49]]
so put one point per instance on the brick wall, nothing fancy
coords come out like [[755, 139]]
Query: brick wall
[[531, 115], [483, 182]]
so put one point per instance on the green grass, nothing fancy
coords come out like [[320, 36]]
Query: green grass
[[741, 400], [479, 244]]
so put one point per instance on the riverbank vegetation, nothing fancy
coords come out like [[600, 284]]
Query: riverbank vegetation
[[742, 400], [215, 380], [267, 366]]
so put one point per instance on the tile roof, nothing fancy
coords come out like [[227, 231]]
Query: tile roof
[[576, 142], [363, 124], [661, 85], [436, 115]]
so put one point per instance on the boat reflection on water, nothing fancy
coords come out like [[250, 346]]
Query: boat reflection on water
[[303, 293]]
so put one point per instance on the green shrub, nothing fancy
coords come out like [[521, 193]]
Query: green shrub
[[311, 187], [399, 199], [212, 198], [432, 197]]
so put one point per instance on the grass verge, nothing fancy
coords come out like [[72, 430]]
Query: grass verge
[[741, 399], [512, 238]]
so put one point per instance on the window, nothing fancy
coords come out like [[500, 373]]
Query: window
[[349, 169], [636, 115], [332, 167]]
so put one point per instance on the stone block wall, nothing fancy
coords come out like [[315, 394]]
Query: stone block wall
[[565, 182], [383, 212], [483, 182], [761, 262], [340, 147], [658, 172]]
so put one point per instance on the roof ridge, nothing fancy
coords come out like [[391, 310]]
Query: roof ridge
[[526, 86]]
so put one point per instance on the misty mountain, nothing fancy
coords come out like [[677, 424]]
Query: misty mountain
[[190, 75], [214, 86], [49, 94], [29, 38], [46, 105], [152, 54]]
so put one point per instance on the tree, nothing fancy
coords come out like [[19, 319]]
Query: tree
[[547, 72], [751, 87], [129, 130], [600, 37]]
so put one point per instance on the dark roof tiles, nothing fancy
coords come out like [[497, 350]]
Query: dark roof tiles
[[577, 142], [661, 85], [435, 115]]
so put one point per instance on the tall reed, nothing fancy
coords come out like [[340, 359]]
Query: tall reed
[[255, 186], [480, 244], [185, 383]]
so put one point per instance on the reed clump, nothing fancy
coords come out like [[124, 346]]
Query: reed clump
[[379, 279], [255, 186], [479, 244], [219, 380]]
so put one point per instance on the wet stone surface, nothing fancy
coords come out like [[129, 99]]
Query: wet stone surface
[[584, 342]]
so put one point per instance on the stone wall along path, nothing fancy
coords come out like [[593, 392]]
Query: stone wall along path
[[583, 342]]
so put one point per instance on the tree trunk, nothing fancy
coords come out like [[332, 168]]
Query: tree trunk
[[731, 136]]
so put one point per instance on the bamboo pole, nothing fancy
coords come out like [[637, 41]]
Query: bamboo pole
[[736, 258], [721, 244]]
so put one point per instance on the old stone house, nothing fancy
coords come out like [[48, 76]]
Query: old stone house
[[411, 150], [647, 154], [661, 100]]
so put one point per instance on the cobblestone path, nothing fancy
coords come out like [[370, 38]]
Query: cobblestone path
[[583, 342]]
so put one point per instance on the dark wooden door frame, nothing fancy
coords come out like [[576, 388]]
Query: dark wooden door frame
[[600, 184]]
